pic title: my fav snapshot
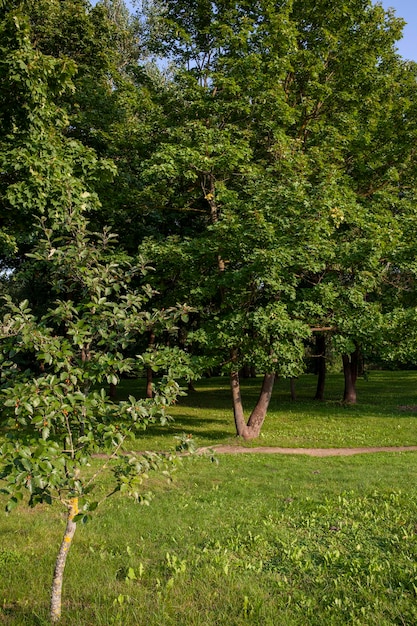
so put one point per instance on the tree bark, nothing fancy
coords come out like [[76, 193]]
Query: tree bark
[[321, 366], [112, 391], [350, 371], [238, 413], [56, 593], [258, 414], [149, 380], [293, 390], [252, 428], [149, 373]]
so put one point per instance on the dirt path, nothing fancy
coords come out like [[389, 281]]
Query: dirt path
[[321, 452]]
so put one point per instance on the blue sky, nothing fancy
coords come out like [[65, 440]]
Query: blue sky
[[407, 9]]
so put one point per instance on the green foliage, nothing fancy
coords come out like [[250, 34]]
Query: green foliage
[[110, 108], [57, 408], [282, 175], [41, 171], [61, 350], [288, 163]]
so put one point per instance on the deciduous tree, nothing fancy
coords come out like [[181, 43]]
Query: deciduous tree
[[57, 361], [277, 143]]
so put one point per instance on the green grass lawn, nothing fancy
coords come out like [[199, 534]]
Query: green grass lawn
[[256, 539], [253, 539], [379, 418]]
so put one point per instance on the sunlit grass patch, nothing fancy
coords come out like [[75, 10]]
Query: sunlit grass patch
[[256, 539], [384, 415]]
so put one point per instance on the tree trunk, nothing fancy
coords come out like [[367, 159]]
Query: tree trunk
[[321, 366], [252, 428], [56, 593], [112, 391], [238, 413], [149, 373], [190, 386], [292, 389], [149, 380], [350, 371], [245, 371], [258, 414]]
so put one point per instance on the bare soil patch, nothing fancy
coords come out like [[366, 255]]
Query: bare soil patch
[[320, 452]]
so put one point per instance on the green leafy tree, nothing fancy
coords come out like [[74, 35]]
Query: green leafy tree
[[357, 287], [85, 58], [218, 164], [57, 361], [58, 413], [112, 108], [38, 170], [281, 147]]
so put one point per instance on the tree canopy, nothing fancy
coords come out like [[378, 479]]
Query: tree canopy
[[266, 173], [291, 159]]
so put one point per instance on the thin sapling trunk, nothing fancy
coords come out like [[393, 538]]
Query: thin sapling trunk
[[56, 593], [321, 366]]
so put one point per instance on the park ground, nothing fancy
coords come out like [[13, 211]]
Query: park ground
[[261, 539]]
